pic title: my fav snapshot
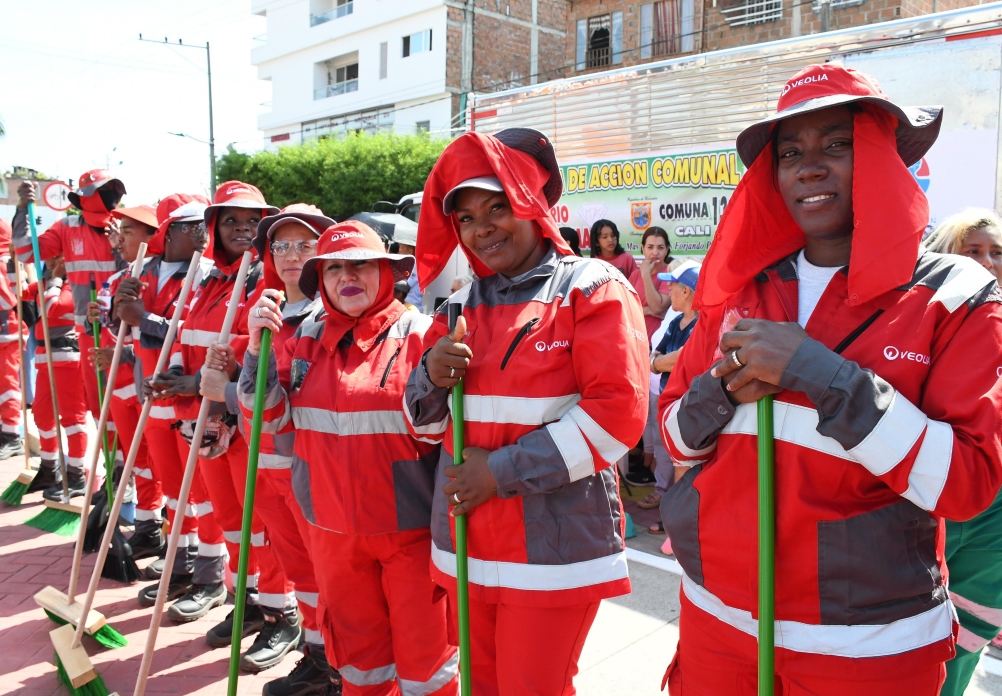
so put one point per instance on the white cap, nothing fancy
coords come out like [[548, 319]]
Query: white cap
[[189, 212], [487, 183]]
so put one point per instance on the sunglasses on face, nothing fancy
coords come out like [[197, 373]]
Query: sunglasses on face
[[302, 248], [195, 230]]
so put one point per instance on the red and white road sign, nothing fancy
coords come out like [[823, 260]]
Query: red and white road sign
[[56, 196]]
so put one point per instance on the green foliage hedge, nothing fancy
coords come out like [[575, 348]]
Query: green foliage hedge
[[341, 176]]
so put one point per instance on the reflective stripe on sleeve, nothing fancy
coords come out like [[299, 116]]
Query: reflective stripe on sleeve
[[932, 466], [987, 614], [675, 435], [895, 434]]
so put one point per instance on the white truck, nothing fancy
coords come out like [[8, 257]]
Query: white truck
[[653, 144]]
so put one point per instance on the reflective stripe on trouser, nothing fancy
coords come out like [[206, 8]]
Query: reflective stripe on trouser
[[383, 619], [525, 650], [716, 658], [72, 415], [974, 557], [10, 387], [224, 478], [167, 453], [89, 383], [289, 539], [149, 494]]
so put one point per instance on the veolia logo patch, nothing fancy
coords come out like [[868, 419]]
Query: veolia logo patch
[[892, 353], [544, 346]]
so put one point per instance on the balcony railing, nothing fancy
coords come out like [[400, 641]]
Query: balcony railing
[[336, 89], [333, 13], [597, 57]]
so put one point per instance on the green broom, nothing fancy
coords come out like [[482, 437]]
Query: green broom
[[462, 575], [766, 548], [250, 489], [13, 494], [51, 519], [95, 687], [106, 635]]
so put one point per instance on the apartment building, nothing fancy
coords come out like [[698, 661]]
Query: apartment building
[[338, 66], [611, 33]]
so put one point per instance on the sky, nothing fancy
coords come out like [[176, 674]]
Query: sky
[[81, 91]]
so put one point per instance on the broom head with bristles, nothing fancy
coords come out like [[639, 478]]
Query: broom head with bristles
[[61, 522], [106, 635], [119, 565], [74, 666], [13, 494], [97, 520]]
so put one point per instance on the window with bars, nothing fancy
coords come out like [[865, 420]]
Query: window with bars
[[744, 12], [666, 28], [599, 41]]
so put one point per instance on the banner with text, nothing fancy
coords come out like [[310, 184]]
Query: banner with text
[[683, 192]]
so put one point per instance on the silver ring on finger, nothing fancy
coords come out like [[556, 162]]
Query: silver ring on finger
[[452, 372], [257, 312], [456, 500], [735, 359]]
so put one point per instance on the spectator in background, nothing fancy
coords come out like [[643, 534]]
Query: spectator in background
[[572, 238], [975, 232], [605, 245], [406, 240], [400, 290], [654, 292], [974, 547], [460, 282]]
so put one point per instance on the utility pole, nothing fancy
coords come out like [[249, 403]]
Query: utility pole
[[212, 138]]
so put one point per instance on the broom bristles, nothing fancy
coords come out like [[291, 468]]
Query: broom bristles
[[13, 494], [56, 521], [95, 687], [106, 635], [119, 564]]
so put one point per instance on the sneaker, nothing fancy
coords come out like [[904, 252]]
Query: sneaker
[[75, 484], [154, 570], [641, 476], [198, 601], [146, 544], [220, 635], [276, 640], [10, 445], [179, 586], [48, 476], [311, 675]]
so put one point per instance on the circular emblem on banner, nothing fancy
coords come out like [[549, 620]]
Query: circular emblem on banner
[[57, 196]]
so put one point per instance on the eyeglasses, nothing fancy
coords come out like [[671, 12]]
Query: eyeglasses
[[303, 248], [195, 230]]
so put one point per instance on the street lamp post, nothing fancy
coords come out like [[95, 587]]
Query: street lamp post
[[212, 139]]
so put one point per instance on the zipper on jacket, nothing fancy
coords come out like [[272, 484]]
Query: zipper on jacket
[[522, 333], [386, 372]]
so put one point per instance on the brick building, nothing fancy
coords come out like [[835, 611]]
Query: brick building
[[610, 33]]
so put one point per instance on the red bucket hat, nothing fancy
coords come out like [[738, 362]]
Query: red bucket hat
[[351, 241], [819, 87], [890, 212], [236, 194], [145, 214]]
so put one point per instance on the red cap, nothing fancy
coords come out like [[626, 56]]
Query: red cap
[[167, 206], [351, 240], [141, 213]]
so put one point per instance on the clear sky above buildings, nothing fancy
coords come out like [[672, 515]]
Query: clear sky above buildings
[[80, 90]]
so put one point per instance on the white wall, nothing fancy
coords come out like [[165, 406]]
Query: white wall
[[293, 47]]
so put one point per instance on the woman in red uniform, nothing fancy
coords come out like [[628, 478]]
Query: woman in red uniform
[[363, 483], [284, 242], [231, 222], [553, 352], [883, 359]]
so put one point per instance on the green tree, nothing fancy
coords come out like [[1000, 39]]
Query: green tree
[[342, 176]]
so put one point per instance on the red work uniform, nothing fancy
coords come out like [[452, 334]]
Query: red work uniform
[[87, 253], [224, 474], [541, 396], [365, 486], [287, 529], [59, 306], [10, 356]]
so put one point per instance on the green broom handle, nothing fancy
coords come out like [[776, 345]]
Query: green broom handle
[[96, 330], [766, 548], [50, 368], [250, 489], [462, 570]]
